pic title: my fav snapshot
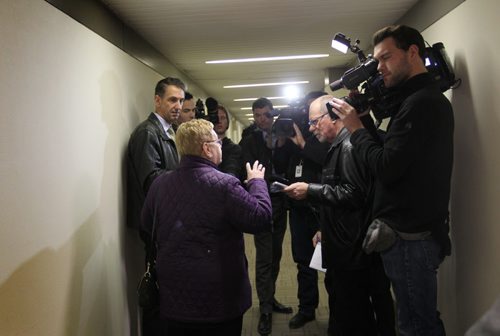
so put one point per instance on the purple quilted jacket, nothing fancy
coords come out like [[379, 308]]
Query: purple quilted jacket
[[201, 214]]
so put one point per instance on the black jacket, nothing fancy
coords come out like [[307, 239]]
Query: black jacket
[[231, 159], [150, 153], [345, 197], [413, 166], [253, 147]]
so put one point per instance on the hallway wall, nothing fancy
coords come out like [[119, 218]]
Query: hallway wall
[[69, 100], [470, 278]]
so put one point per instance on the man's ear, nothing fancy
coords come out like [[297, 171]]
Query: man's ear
[[157, 100], [413, 49]]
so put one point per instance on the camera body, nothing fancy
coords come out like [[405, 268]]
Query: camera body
[[212, 115], [283, 127], [296, 112]]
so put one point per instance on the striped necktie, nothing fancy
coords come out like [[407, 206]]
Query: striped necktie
[[171, 133]]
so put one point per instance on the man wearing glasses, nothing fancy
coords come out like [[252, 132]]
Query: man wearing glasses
[[353, 279], [305, 165]]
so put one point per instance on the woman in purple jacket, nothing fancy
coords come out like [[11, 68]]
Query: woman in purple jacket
[[199, 215]]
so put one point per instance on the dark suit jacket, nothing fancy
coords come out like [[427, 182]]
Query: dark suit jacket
[[150, 153]]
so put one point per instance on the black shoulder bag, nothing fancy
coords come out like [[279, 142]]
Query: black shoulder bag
[[148, 291]]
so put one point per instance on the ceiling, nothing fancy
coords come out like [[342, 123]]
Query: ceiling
[[190, 32]]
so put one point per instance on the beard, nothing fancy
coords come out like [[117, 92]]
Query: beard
[[399, 75]]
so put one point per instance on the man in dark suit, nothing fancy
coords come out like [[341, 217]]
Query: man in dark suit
[[151, 153]]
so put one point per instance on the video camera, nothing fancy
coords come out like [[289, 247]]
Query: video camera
[[212, 114], [373, 94], [283, 126]]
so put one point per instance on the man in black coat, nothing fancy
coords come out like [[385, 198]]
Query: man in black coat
[[151, 152], [353, 279], [305, 165], [412, 170]]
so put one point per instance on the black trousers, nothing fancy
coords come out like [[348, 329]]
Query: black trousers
[[227, 328], [303, 227], [268, 251], [360, 301]]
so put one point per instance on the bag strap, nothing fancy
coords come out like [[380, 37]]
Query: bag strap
[[151, 249]]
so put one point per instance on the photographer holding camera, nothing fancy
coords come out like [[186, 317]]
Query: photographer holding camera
[[264, 145], [412, 170], [305, 165]]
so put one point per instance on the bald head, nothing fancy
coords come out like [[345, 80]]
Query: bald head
[[319, 105], [321, 125]]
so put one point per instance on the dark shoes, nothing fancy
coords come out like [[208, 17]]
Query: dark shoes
[[265, 324], [279, 308], [299, 320]]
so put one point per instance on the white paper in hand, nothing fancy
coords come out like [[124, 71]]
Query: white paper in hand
[[316, 259]]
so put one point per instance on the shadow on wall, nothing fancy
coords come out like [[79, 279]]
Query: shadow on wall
[[79, 288], [86, 286], [45, 295], [469, 200], [447, 294]]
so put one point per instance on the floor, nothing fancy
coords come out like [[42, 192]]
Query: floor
[[286, 293]]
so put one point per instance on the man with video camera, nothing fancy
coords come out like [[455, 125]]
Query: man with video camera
[[412, 170]]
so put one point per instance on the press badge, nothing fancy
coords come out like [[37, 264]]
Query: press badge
[[298, 170]]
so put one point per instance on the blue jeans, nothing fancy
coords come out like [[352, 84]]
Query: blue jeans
[[412, 265]]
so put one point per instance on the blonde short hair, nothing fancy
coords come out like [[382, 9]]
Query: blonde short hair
[[191, 135]]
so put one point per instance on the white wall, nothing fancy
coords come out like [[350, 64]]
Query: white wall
[[68, 102], [470, 279]]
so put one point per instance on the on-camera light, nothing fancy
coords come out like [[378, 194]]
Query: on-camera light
[[341, 43]]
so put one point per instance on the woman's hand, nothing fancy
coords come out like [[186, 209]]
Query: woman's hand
[[255, 171]]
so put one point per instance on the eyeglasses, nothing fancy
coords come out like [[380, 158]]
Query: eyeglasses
[[315, 121], [218, 142]]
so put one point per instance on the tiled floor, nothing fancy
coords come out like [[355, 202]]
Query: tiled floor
[[286, 293]]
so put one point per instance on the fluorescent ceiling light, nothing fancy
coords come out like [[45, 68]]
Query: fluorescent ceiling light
[[249, 115], [264, 59], [252, 99], [263, 84]]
